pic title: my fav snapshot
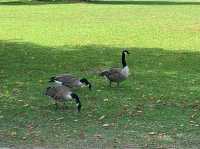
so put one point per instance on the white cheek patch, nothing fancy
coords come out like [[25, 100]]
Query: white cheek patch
[[80, 84], [58, 82], [68, 96], [125, 71]]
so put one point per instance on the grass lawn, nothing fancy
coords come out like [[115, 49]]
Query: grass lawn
[[157, 106]]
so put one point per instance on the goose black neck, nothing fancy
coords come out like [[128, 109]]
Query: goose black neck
[[77, 100], [86, 82], [124, 59], [90, 86]]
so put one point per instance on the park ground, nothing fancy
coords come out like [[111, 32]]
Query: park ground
[[157, 107]]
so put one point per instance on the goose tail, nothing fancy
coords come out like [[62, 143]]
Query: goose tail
[[103, 73], [47, 90]]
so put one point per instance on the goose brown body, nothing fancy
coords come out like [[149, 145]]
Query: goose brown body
[[70, 81], [117, 74], [59, 93], [62, 93], [114, 75]]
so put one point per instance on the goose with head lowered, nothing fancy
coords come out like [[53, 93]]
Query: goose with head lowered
[[70, 81], [117, 74], [62, 93]]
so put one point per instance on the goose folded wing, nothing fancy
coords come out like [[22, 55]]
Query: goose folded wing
[[114, 73], [65, 78], [60, 92]]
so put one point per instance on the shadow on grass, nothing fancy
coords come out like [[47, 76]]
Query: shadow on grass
[[143, 2], [39, 2], [95, 56], [31, 62], [157, 73], [120, 2]]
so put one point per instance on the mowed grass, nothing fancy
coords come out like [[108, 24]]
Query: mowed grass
[[158, 104]]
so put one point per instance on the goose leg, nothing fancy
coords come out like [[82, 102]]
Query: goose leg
[[56, 105], [110, 84], [117, 84], [65, 106]]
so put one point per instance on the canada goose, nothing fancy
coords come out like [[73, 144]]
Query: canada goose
[[61, 94], [70, 81], [117, 74]]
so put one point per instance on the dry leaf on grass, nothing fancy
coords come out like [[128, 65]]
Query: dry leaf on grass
[[106, 99], [102, 117], [82, 134], [26, 105], [13, 133], [60, 118], [106, 125], [99, 136], [152, 133]]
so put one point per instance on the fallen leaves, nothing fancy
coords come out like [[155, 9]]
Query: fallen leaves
[[30, 127], [105, 100], [26, 105], [106, 125], [194, 115], [19, 83], [152, 133], [40, 81], [56, 124], [13, 133], [60, 118], [98, 136], [102, 117], [139, 111], [126, 126], [82, 134], [160, 136], [193, 123]]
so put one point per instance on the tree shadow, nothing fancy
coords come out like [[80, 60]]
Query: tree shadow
[[158, 74], [39, 2], [136, 2], [154, 67], [111, 2], [16, 54]]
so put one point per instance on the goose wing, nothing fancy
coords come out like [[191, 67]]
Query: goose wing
[[57, 92], [50, 91], [64, 77], [67, 79], [114, 74]]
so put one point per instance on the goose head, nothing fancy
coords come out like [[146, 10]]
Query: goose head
[[78, 103], [86, 83], [126, 51]]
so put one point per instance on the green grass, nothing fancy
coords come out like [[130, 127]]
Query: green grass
[[38, 40]]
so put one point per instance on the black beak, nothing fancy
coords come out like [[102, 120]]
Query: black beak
[[90, 87], [77, 100], [126, 51]]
